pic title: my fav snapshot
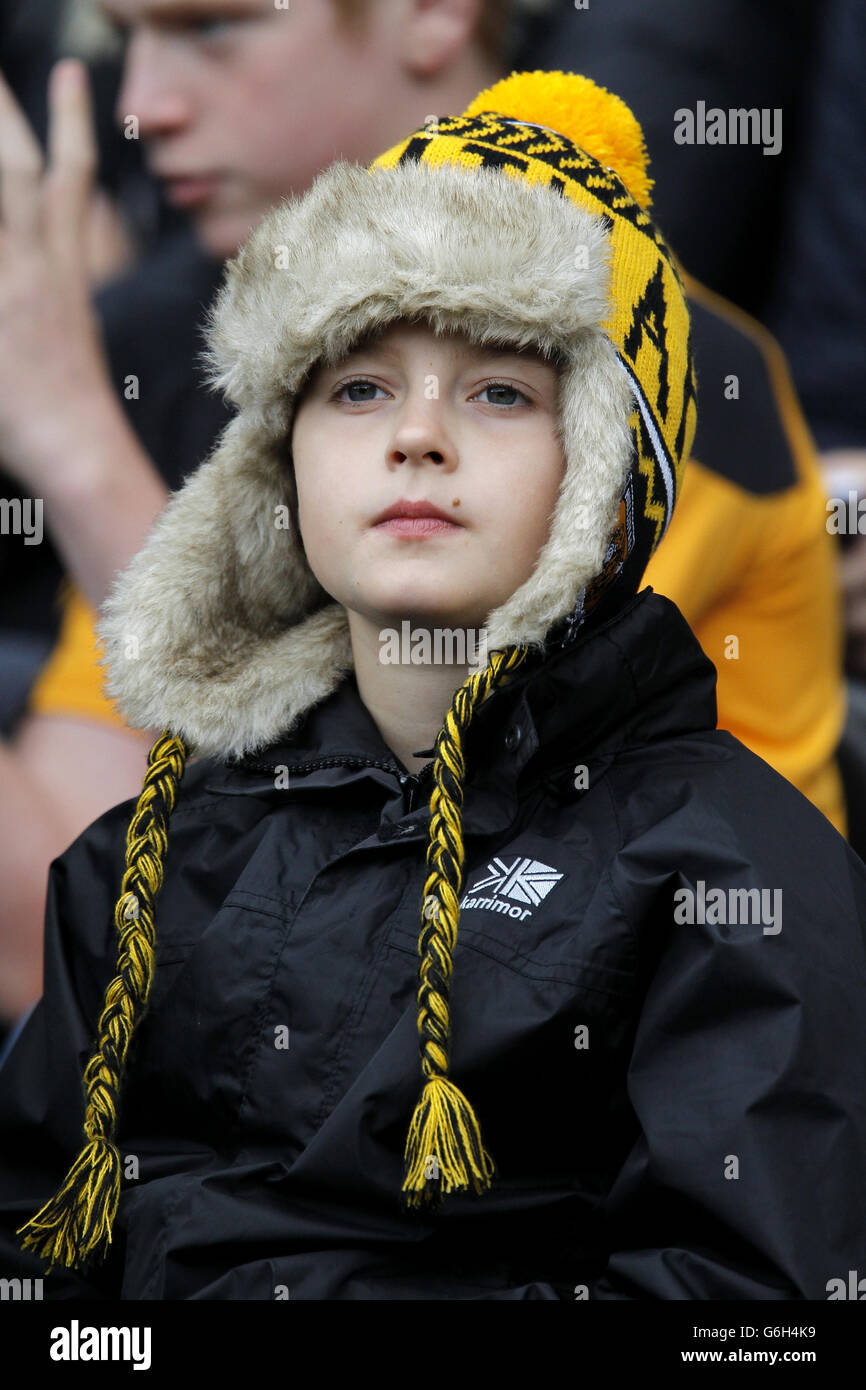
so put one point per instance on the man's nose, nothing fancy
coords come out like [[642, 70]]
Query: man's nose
[[152, 89]]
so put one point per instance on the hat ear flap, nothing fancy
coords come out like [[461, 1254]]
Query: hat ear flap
[[204, 629]]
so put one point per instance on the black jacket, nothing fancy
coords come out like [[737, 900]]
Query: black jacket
[[676, 1111]]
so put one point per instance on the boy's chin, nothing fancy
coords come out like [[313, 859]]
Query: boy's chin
[[394, 597], [424, 622], [393, 613]]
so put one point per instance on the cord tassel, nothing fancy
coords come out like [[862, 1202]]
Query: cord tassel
[[444, 1151], [75, 1224]]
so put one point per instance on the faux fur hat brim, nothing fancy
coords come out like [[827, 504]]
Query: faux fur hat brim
[[218, 629]]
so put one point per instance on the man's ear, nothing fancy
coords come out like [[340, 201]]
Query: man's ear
[[435, 33]]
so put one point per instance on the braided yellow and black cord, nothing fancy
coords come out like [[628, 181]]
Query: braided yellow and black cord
[[75, 1225], [444, 1150]]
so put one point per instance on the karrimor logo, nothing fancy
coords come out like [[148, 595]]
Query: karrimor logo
[[523, 881]]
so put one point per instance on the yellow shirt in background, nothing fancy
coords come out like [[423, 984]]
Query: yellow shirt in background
[[70, 682]]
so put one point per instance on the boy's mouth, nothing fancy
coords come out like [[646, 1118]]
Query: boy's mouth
[[417, 525], [405, 510]]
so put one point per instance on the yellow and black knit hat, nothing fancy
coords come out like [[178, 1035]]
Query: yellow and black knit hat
[[522, 221]]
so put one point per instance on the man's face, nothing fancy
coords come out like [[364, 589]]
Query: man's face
[[252, 99], [412, 416]]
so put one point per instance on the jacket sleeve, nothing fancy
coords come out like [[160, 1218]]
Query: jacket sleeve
[[747, 1178], [41, 1091]]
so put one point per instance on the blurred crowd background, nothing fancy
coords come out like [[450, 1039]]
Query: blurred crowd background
[[207, 111]]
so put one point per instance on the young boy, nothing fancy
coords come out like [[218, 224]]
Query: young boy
[[633, 953]]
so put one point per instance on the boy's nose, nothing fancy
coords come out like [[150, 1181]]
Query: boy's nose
[[417, 445], [421, 434], [433, 455]]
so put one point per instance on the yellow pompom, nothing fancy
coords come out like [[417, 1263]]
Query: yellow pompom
[[593, 118]]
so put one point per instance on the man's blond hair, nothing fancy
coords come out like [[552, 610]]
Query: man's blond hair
[[492, 29]]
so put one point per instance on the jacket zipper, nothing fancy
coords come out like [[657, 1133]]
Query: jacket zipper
[[411, 784], [315, 764]]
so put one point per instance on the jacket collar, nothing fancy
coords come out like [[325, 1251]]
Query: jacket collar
[[638, 677]]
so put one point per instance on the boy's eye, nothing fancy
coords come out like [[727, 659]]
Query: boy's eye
[[362, 386], [500, 388], [363, 390]]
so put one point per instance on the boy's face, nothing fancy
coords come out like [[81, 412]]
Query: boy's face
[[253, 99], [412, 416]]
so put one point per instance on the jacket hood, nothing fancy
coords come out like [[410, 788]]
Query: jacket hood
[[491, 223]]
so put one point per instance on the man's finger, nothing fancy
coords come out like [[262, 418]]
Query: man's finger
[[852, 565], [855, 615], [72, 149], [855, 620], [855, 658], [21, 166]]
